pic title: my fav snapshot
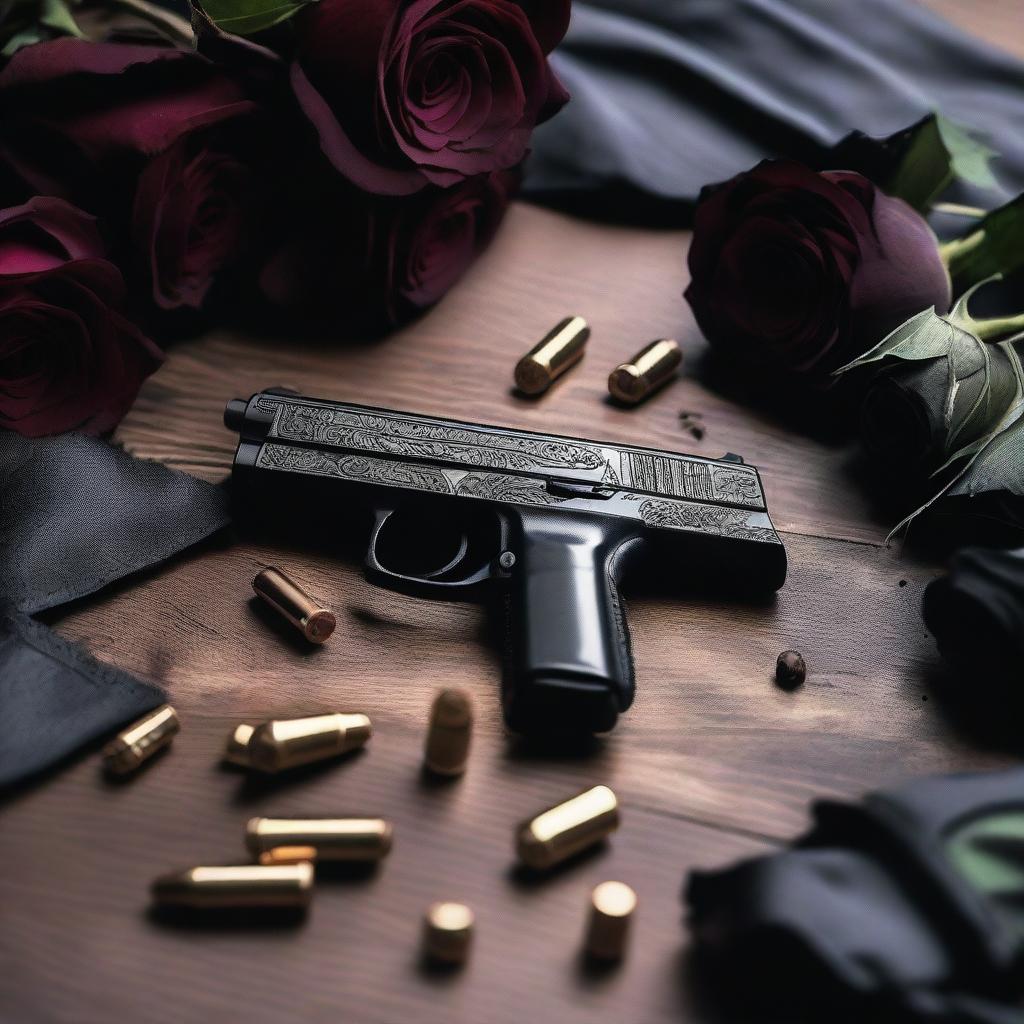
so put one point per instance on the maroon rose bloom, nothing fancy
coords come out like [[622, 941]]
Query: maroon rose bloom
[[68, 357], [403, 94], [381, 263], [800, 272], [141, 135]]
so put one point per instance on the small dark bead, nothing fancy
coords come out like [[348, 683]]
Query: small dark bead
[[790, 670]]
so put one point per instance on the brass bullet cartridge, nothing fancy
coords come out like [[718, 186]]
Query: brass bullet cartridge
[[315, 622], [560, 348], [611, 910], [246, 885], [139, 742], [289, 743], [564, 830], [651, 367], [350, 839], [447, 932], [236, 750], [449, 732], [288, 855]]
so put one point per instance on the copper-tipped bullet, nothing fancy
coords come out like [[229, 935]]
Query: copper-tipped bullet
[[236, 751], [449, 732], [352, 839], [561, 348], [651, 367], [313, 620], [288, 855], [140, 741], [611, 911], [245, 885], [567, 828], [289, 743], [448, 932]]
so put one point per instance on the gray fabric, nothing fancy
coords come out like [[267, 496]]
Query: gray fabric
[[76, 514]]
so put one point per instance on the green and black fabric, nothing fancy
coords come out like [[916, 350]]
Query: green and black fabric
[[906, 907]]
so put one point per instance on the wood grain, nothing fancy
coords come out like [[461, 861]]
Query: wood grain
[[712, 764]]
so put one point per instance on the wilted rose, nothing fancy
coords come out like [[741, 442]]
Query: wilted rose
[[68, 358], [380, 263], [140, 135], [430, 91], [800, 272]]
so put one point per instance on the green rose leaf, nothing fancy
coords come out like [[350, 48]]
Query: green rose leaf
[[24, 22], [248, 17], [994, 246]]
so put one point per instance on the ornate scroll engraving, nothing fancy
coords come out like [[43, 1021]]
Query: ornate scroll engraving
[[354, 467], [412, 438], [722, 522], [690, 478], [522, 490]]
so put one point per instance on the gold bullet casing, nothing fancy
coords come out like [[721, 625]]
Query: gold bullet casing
[[567, 828], [449, 733], [651, 367], [237, 749], [350, 839], [447, 932], [140, 741], [291, 742], [245, 885], [611, 911], [561, 348], [315, 622]]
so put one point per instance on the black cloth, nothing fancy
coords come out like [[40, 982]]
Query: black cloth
[[907, 907], [76, 514], [670, 95]]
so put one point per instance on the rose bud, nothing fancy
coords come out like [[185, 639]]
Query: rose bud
[[68, 357], [384, 262], [149, 143], [798, 272], [406, 94]]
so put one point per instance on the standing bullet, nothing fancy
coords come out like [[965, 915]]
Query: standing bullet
[[315, 622], [449, 733], [611, 910], [291, 742], [139, 742], [246, 885], [447, 932], [559, 349], [567, 828], [651, 367]]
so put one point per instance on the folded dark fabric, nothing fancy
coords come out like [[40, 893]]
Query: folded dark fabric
[[908, 907], [669, 95], [77, 514], [976, 614]]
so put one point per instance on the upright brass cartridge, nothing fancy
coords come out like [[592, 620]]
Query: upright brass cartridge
[[140, 741], [447, 932], [651, 367], [559, 349], [449, 733], [236, 750], [315, 622], [567, 828], [245, 885], [349, 839], [289, 743], [611, 911]]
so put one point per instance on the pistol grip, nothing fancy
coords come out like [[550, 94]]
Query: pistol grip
[[569, 666]]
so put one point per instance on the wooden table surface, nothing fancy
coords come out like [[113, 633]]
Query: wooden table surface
[[713, 762]]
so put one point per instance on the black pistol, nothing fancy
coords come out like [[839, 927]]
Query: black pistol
[[546, 524]]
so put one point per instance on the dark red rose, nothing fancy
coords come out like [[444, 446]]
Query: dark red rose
[[144, 136], [187, 220], [68, 358], [799, 271], [429, 91], [378, 264]]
